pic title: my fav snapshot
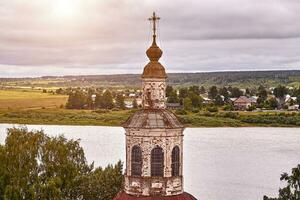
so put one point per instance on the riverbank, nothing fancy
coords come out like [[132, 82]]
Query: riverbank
[[116, 117]]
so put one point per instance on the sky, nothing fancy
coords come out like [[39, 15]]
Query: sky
[[88, 37]]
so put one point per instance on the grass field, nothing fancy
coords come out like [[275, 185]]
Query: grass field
[[34, 107], [29, 99]]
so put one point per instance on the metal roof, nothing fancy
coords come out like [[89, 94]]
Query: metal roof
[[152, 118]]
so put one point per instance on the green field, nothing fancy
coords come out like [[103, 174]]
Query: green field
[[34, 107], [30, 99], [116, 118]]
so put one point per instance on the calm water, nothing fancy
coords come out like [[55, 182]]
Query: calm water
[[219, 163]]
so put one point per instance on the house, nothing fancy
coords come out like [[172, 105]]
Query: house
[[243, 102], [290, 100], [173, 106]]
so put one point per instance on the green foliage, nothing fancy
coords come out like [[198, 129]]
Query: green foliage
[[213, 92], [187, 104], [195, 99], [235, 92], [219, 100], [262, 93], [35, 166], [292, 190], [273, 119], [169, 90], [212, 109], [280, 91], [251, 108], [180, 112], [194, 89], [183, 93], [173, 98], [228, 107], [120, 101], [77, 100], [272, 103]]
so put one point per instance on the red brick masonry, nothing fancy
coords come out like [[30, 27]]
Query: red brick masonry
[[184, 196]]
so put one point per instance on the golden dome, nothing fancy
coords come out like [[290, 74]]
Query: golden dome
[[154, 69]]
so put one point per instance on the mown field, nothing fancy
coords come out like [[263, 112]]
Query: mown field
[[30, 99]]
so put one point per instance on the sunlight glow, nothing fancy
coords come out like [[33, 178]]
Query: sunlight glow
[[65, 8]]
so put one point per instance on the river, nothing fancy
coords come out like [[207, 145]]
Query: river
[[219, 163]]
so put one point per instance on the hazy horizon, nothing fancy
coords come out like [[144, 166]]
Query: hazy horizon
[[74, 37]]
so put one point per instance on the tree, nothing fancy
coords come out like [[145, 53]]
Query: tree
[[272, 103], [236, 92], [194, 89], [120, 101], [169, 90], [202, 90], [195, 99], [213, 92], [187, 104], [183, 92], [292, 190], [107, 100], [219, 100], [224, 92], [280, 93], [173, 98], [77, 100], [35, 166], [262, 93]]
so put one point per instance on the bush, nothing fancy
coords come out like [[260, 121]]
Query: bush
[[251, 108], [212, 109], [101, 111], [180, 112], [228, 107], [232, 115]]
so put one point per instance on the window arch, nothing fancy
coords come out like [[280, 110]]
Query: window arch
[[175, 161], [136, 161], [157, 162]]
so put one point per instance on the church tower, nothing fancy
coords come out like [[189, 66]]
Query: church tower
[[154, 140]]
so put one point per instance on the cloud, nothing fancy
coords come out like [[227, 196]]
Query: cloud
[[111, 36]]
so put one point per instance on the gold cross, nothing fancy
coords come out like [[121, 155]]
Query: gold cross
[[153, 19]]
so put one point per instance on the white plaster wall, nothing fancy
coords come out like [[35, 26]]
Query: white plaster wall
[[157, 89]]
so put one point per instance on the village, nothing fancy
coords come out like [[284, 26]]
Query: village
[[191, 98]]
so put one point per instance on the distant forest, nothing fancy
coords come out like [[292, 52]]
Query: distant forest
[[231, 78]]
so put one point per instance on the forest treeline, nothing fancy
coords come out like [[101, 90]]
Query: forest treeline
[[233, 78]]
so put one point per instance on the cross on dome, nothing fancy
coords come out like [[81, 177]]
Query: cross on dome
[[153, 20]]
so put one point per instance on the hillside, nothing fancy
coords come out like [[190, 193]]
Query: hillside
[[241, 79]]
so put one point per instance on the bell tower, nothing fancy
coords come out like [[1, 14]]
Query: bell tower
[[154, 140], [154, 75]]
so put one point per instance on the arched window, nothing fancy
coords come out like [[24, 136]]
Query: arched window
[[157, 162], [136, 161], [175, 161]]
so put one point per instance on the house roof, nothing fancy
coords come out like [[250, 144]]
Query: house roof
[[244, 99], [184, 196]]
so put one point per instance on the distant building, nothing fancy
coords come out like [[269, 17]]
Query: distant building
[[243, 102], [174, 106]]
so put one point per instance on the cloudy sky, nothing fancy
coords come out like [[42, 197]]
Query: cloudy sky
[[69, 37]]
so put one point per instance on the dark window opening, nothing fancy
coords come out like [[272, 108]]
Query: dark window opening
[[136, 161], [175, 161], [157, 162]]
